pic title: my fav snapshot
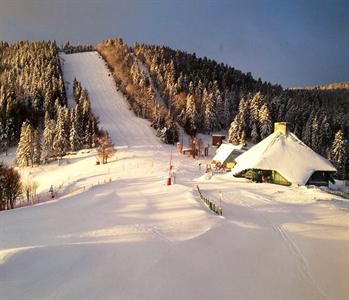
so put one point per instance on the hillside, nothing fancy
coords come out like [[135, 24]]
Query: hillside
[[117, 231], [204, 96]]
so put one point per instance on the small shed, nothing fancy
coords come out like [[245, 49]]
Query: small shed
[[217, 139], [226, 155]]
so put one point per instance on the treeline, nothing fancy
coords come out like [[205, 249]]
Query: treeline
[[205, 96], [331, 86], [133, 82], [30, 85], [69, 49], [70, 129]]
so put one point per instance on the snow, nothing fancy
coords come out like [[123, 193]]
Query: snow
[[285, 154], [136, 238]]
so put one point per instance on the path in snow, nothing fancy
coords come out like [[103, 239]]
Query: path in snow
[[107, 103]]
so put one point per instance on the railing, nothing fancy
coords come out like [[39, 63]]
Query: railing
[[211, 205]]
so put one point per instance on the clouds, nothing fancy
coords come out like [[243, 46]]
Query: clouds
[[291, 42]]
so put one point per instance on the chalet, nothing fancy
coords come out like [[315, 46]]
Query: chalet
[[284, 159]]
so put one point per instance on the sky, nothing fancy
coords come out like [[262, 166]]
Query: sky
[[293, 43]]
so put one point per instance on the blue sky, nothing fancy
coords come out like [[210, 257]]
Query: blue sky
[[294, 43]]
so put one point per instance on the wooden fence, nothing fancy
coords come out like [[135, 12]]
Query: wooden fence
[[211, 205]]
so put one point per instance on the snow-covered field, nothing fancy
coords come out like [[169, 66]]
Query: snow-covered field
[[136, 238]]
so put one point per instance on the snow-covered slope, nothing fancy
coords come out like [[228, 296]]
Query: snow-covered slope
[[123, 126], [136, 238]]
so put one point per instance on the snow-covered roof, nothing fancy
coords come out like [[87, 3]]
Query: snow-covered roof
[[286, 154], [224, 151]]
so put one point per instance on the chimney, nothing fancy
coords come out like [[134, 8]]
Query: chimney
[[281, 127]]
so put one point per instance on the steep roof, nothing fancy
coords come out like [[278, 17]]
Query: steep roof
[[286, 154], [225, 151]]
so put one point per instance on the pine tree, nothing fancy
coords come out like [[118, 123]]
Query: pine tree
[[208, 112], [234, 133], [191, 115], [74, 139], [266, 125], [338, 154], [307, 130], [315, 132], [61, 142], [78, 115], [255, 105], [49, 136], [220, 109], [25, 150], [37, 147], [255, 133], [325, 136]]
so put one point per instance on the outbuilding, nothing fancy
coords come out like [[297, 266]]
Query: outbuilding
[[226, 155]]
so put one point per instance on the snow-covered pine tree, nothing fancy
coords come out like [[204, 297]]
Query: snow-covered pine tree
[[49, 136], [307, 130], [25, 150], [61, 141], [208, 111], [78, 115], [191, 115], [37, 147], [338, 154], [234, 133], [220, 110], [225, 117], [266, 124], [74, 139], [255, 105], [315, 134], [325, 136], [255, 133]]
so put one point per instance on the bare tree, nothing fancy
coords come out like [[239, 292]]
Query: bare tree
[[11, 187], [106, 148], [29, 189]]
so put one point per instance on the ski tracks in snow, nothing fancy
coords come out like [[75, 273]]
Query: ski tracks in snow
[[302, 263], [291, 245]]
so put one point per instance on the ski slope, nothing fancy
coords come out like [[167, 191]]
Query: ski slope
[[136, 238], [123, 126]]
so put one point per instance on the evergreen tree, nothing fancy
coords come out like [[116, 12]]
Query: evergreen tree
[[61, 142], [191, 115], [266, 125], [338, 154], [49, 136], [255, 133], [25, 150], [208, 111], [37, 147], [74, 139], [315, 133], [234, 133]]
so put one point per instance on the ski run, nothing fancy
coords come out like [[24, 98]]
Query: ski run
[[117, 231]]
